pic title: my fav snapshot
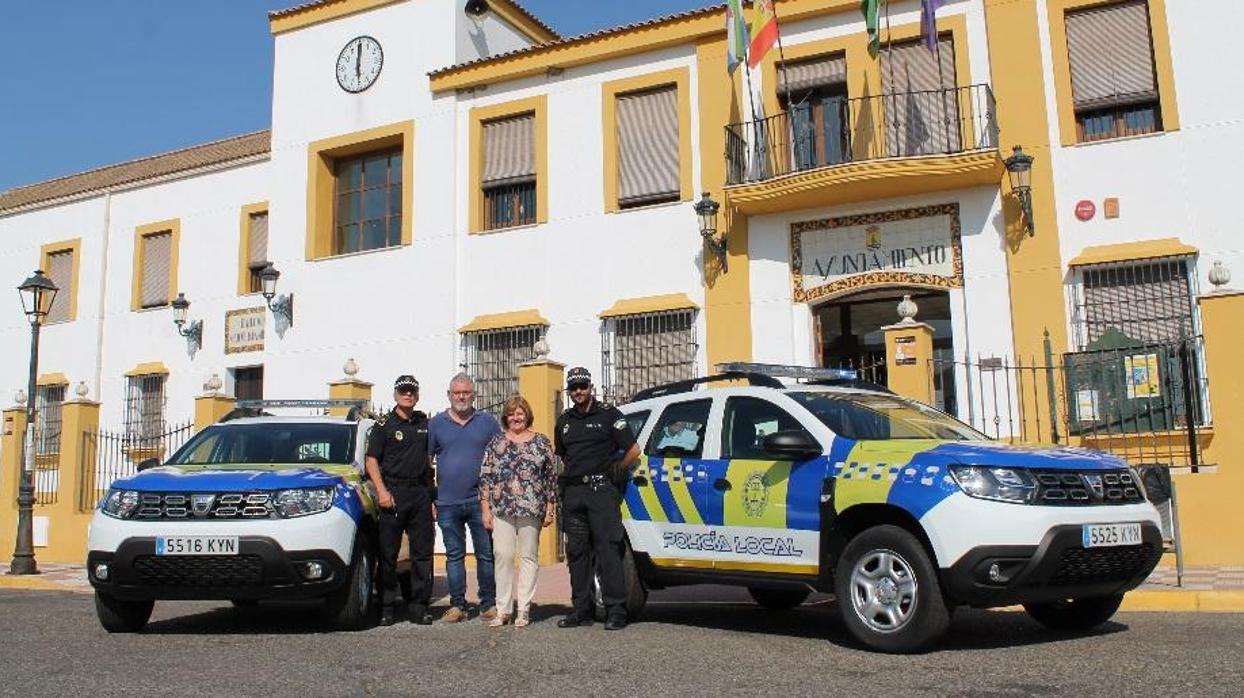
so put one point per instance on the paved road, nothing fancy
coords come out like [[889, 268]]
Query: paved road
[[51, 644]]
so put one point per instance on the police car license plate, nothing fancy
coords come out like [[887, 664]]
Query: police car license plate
[[197, 545], [1108, 535]]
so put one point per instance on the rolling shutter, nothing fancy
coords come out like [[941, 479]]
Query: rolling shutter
[[1111, 54], [60, 271], [157, 266], [648, 167], [509, 151]]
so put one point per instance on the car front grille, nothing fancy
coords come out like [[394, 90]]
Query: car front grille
[[1080, 488], [200, 571], [1098, 565], [204, 506]]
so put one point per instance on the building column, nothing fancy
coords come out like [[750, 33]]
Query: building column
[[11, 443], [77, 493], [540, 382]]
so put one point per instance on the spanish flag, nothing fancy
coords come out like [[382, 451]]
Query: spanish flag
[[764, 31]]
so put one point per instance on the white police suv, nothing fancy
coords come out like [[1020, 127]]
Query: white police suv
[[898, 509], [250, 508]]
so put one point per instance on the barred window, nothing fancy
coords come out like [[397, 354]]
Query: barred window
[[144, 406], [647, 349], [48, 399], [491, 359], [1130, 303]]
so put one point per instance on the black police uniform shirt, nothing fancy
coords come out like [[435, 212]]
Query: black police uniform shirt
[[589, 442], [401, 447]]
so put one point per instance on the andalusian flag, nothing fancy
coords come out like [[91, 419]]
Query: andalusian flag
[[869, 8], [736, 35], [764, 31]]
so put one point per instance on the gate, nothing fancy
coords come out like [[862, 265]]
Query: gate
[[111, 455]]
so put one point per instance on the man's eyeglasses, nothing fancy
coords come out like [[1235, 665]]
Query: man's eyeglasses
[[407, 391], [580, 386]]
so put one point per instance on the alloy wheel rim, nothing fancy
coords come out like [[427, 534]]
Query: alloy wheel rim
[[365, 583], [883, 591]]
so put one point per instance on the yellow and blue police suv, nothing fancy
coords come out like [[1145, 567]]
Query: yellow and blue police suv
[[898, 509]]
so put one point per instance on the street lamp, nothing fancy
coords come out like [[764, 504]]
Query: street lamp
[[37, 294], [283, 306], [706, 209], [1019, 168], [193, 331]]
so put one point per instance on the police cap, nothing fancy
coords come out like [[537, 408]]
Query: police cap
[[405, 381], [578, 376]]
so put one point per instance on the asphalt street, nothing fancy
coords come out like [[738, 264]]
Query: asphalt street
[[52, 645]]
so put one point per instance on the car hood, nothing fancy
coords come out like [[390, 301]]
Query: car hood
[[1028, 456], [233, 478]]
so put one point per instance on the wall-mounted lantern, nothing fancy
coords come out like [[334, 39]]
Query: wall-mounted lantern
[[193, 330], [282, 307], [706, 210], [1019, 168]]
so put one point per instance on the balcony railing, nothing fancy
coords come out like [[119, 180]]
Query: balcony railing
[[827, 131]]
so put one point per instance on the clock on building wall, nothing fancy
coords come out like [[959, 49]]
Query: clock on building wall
[[359, 64]]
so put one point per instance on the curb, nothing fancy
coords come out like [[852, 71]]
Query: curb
[[33, 582], [1207, 601]]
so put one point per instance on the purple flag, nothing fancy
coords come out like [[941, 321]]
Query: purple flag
[[928, 22]]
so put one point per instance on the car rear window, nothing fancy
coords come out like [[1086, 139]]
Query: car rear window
[[268, 443], [879, 417]]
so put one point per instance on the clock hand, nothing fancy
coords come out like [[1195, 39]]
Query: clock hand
[[358, 59]]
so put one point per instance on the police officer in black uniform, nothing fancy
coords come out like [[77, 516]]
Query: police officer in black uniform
[[399, 467], [596, 444]]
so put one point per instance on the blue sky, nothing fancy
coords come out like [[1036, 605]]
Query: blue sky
[[90, 83]]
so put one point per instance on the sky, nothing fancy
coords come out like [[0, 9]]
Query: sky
[[90, 83]]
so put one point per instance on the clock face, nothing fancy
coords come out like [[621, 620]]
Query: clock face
[[359, 64]]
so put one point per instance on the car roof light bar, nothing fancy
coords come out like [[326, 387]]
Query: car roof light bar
[[783, 371], [313, 404]]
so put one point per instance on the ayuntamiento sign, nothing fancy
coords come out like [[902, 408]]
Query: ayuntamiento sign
[[244, 329], [911, 247]]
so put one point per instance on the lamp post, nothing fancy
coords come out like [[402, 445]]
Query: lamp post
[[706, 210], [37, 294], [1019, 169]]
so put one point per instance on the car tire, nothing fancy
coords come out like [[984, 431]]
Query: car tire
[[120, 616], [888, 591], [1075, 614], [349, 607], [636, 594], [778, 599]]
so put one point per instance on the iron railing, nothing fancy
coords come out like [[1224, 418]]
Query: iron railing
[[110, 455], [841, 130], [645, 350], [509, 205]]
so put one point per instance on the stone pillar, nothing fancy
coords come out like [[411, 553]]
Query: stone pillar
[[76, 493], [539, 382], [11, 436], [909, 354], [348, 388], [210, 407]]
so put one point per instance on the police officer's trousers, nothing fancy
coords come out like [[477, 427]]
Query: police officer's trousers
[[592, 520], [412, 515]]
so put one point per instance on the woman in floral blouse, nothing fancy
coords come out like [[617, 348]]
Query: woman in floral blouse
[[518, 493]]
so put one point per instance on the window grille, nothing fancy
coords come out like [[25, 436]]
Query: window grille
[[491, 359], [1132, 303], [1113, 81], [368, 212], [509, 205], [643, 350], [48, 399], [144, 406]]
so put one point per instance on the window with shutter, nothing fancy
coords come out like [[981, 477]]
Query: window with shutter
[[1113, 78], [509, 172], [157, 259], [919, 102], [256, 249], [60, 271], [647, 137], [814, 94]]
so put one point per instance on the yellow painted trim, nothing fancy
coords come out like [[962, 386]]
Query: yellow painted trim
[[609, 92], [736, 566], [625, 41], [496, 321], [1129, 251], [74, 247], [649, 304], [148, 368], [141, 233], [522, 22], [537, 105], [46, 379], [1163, 68], [320, 179], [323, 11], [244, 243]]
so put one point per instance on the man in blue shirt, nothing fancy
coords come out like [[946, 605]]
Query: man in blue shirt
[[456, 439]]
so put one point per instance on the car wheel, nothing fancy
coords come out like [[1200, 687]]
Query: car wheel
[[348, 607], [778, 599], [888, 591], [118, 616], [1075, 614], [636, 594]]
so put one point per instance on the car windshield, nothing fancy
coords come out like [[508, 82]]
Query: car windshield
[[268, 443], [865, 416]]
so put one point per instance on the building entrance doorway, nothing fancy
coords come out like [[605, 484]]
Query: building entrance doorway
[[847, 334]]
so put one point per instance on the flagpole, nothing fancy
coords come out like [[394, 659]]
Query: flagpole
[[781, 56]]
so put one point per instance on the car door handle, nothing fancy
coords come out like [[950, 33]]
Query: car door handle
[[640, 481], [721, 484]]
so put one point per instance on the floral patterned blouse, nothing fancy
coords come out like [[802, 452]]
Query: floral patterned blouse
[[518, 479]]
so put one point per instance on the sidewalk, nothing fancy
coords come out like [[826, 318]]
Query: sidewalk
[[1209, 590]]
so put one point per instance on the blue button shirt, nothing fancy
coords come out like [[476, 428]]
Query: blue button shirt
[[459, 450]]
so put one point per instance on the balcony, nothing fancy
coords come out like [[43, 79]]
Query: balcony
[[835, 150]]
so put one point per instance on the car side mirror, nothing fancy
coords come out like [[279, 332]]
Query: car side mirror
[[793, 444], [148, 464]]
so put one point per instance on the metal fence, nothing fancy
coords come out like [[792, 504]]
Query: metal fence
[[906, 124], [111, 455]]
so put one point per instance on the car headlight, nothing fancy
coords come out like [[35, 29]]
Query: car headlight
[[997, 484], [120, 504], [304, 501], [1140, 484]]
